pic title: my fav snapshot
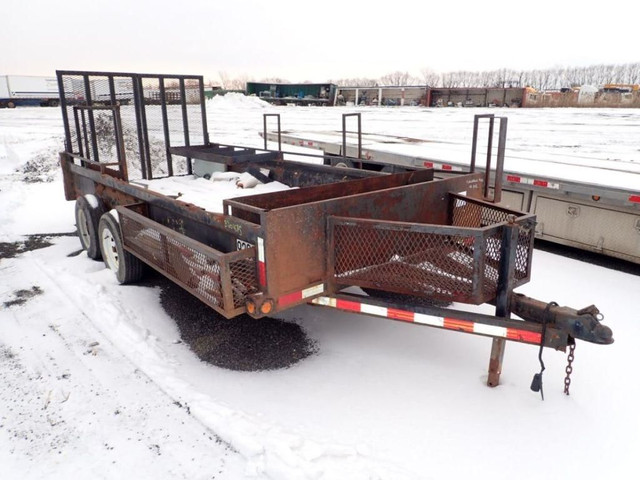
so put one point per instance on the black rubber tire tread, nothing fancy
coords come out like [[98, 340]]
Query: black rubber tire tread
[[93, 219], [130, 267]]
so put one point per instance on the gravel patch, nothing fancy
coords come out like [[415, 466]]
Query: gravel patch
[[22, 296], [31, 242], [241, 343]]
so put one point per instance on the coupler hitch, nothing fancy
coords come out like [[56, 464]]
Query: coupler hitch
[[581, 324]]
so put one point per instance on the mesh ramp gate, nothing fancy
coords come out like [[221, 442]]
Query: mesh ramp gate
[[146, 116]]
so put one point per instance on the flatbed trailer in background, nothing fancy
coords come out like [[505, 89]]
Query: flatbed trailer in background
[[402, 246], [593, 205]]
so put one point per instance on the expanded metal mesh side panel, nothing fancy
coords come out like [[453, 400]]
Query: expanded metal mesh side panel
[[473, 214], [524, 251], [426, 264], [205, 273], [243, 280]]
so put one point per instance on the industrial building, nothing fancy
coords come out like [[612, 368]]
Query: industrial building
[[321, 94]]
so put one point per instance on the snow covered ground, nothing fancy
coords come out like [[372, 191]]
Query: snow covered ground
[[97, 382]]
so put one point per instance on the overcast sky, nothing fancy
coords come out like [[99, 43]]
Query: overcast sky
[[311, 40]]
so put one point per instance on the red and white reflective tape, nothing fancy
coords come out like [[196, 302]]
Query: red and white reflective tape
[[295, 297], [262, 267], [442, 166], [533, 181], [431, 320], [303, 143]]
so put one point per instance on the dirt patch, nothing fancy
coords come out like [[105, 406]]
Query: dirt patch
[[31, 242], [22, 296], [242, 343]]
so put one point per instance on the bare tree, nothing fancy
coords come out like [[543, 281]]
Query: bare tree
[[429, 77], [398, 79]]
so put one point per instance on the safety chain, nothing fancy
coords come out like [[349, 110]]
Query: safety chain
[[569, 369]]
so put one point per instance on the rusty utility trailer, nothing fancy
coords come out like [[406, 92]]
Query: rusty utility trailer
[[411, 242]]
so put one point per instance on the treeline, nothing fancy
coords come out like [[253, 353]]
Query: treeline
[[545, 79]]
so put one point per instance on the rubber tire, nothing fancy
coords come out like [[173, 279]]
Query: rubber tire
[[341, 163], [87, 219], [127, 267]]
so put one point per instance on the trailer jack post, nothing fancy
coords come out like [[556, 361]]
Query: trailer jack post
[[495, 362]]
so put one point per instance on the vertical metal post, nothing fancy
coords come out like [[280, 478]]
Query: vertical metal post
[[165, 127], [203, 112], [145, 130], [117, 126], [474, 144], [344, 135], [92, 123], [65, 114], [185, 122], [508, 252], [85, 135], [138, 100], [78, 132], [502, 140], [495, 361], [122, 156], [264, 129], [487, 172]]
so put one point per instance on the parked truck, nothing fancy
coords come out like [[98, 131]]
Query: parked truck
[[400, 246], [23, 90]]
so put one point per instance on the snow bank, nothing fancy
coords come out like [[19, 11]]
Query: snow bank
[[233, 100]]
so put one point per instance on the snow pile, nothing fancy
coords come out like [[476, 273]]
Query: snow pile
[[234, 100], [210, 194]]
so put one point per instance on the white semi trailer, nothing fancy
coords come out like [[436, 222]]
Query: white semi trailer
[[26, 90]]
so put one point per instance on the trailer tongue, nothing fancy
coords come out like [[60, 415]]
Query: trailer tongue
[[412, 242]]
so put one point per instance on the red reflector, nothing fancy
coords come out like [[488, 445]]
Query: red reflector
[[540, 183], [634, 198], [447, 167], [428, 164], [513, 178]]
